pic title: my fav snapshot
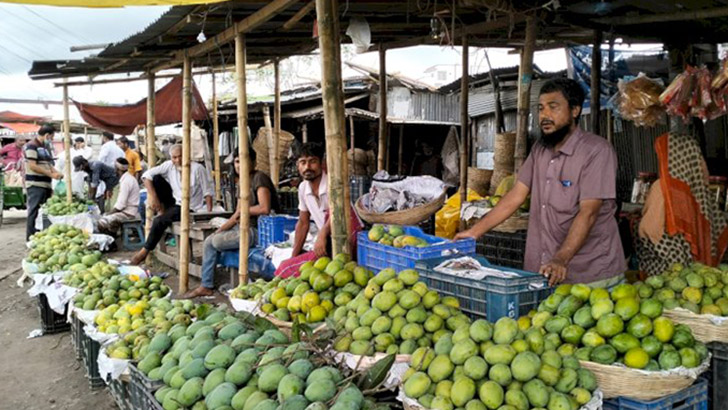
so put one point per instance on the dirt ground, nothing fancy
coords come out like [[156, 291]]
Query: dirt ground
[[42, 373]]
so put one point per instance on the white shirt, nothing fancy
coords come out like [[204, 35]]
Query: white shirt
[[110, 152], [316, 206], [128, 199], [85, 152], [200, 184]]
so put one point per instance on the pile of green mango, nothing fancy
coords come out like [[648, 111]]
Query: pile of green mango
[[484, 366], [395, 314], [698, 288], [221, 363], [618, 327], [61, 248], [57, 205], [393, 235]]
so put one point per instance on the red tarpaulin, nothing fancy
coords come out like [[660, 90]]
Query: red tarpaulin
[[121, 119]]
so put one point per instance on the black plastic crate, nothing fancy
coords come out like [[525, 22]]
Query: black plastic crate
[[120, 392], [90, 361], [503, 248], [717, 376], [141, 398], [142, 380], [50, 321], [76, 335], [288, 202]]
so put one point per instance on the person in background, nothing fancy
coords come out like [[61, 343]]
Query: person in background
[[109, 152], [571, 175], [80, 149], [126, 206], [313, 203], [164, 196], [38, 174], [12, 153], [166, 144], [132, 156], [681, 223], [263, 201], [98, 172], [427, 162]]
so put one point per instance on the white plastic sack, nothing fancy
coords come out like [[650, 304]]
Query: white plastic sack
[[57, 294], [360, 34], [100, 240], [100, 337], [110, 369], [243, 305], [86, 221]]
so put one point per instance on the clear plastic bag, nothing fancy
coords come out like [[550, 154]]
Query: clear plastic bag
[[638, 100]]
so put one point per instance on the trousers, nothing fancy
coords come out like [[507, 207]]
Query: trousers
[[37, 196]]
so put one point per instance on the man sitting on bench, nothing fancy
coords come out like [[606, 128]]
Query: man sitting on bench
[[164, 196], [126, 207], [263, 200]]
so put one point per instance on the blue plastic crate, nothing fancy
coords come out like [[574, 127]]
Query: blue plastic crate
[[376, 256], [273, 229], [694, 397], [489, 298]]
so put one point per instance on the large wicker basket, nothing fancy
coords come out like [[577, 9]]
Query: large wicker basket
[[513, 224], [704, 327], [411, 216], [616, 381]]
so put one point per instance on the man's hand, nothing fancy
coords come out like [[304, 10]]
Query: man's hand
[[468, 233], [555, 271], [108, 194], [319, 248], [56, 175], [154, 204]]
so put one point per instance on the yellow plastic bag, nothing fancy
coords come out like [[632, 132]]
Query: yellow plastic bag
[[447, 219]]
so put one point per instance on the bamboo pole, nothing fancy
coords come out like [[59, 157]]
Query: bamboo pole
[[351, 134], [275, 166], [151, 146], [67, 144], [464, 128], [304, 132], [400, 165], [596, 79], [244, 182], [525, 76], [184, 242], [334, 121], [382, 108], [216, 141]]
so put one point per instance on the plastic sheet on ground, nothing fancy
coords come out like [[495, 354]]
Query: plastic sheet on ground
[[595, 403], [109, 368], [243, 305]]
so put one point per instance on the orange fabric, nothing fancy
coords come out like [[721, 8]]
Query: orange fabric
[[21, 127], [121, 119], [682, 212]]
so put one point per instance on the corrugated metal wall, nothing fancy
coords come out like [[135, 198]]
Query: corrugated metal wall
[[423, 106]]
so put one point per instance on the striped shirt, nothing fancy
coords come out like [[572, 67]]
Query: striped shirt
[[42, 156]]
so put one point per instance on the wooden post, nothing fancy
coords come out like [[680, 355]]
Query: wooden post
[[244, 182], [389, 144], [184, 241], [151, 146], [351, 134], [67, 144], [525, 76], [304, 132], [327, 12], [275, 166], [382, 108], [216, 141], [464, 129], [400, 165], [596, 79]]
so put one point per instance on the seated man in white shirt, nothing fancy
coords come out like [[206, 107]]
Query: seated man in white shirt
[[126, 207], [164, 196]]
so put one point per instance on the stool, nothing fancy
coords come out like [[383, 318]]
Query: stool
[[129, 228]]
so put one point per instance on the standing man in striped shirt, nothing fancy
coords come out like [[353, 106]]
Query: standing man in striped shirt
[[39, 172]]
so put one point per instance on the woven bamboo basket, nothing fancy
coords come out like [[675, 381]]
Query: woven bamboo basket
[[703, 328], [513, 224], [411, 216], [616, 381], [479, 180]]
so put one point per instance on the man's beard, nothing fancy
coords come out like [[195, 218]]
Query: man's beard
[[552, 139], [309, 176]]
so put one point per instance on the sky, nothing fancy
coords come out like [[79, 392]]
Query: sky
[[31, 33]]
